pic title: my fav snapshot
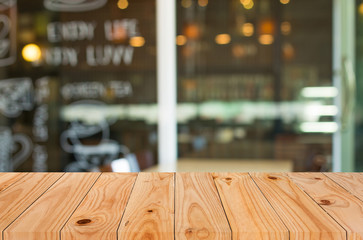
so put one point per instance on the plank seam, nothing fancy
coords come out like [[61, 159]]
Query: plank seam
[[174, 174], [288, 230], [343, 187], [60, 231], [3, 237], [346, 233], [128, 200], [13, 183], [224, 210]]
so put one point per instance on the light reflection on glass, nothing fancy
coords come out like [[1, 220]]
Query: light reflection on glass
[[223, 39], [137, 41], [122, 4], [249, 5], [181, 40], [285, 28], [203, 3], [319, 127], [248, 29], [186, 3], [319, 92], [266, 39], [31, 53]]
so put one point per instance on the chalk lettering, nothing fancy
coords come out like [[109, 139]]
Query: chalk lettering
[[61, 56], [92, 90], [118, 29], [108, 54], [70, 31], [40, 129], [40, 157]]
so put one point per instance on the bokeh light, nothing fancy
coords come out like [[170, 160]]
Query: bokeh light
[[223, 39], [31, 52], [137, 41]]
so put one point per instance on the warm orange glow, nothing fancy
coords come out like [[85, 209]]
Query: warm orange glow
[[137, 41], [285, 28], [238, 51], [203, 3], [31, 53], [248, 29], [266, 39], [192, 31], [360, 9], [266, 26], [119, 34], [181, 40], [188, 51], [284, 1], [122, 4], [223, 39], [186, 3], [288, 51]]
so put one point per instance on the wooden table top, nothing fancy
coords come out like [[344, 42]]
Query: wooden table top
[[181, 206]]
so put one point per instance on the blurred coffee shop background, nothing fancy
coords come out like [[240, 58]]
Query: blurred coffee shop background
[[255, 85]]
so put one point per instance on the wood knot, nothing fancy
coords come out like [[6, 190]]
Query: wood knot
[[189, 232], [318, 178], [84, 221], [325, 202], [272, 177], [149, 210], [228, 179]]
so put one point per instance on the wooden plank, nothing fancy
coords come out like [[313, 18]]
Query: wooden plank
[[6, 179], [304, 218], [22, 194], [249, 213], [345, 208], [45, 218], [150, 211], [352, 182], [199, 213], [100, 213]]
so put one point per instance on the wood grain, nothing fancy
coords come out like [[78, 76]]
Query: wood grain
[[6, 179], [304, 218], [15, 199], [45, 218], [198, 211], [150, 211], [352, 182], [345, 208], [249, 213], [181, 206], [100, 213]]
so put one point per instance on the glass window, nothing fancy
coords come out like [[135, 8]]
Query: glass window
[[255, 81], [78, 84]]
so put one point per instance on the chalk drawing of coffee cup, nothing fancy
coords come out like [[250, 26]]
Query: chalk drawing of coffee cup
[[7, 32], [73, 5], [14, 149], [16, 96], [90, 156]]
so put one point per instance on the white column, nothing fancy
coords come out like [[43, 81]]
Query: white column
[[343, 48], [166, 81]]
